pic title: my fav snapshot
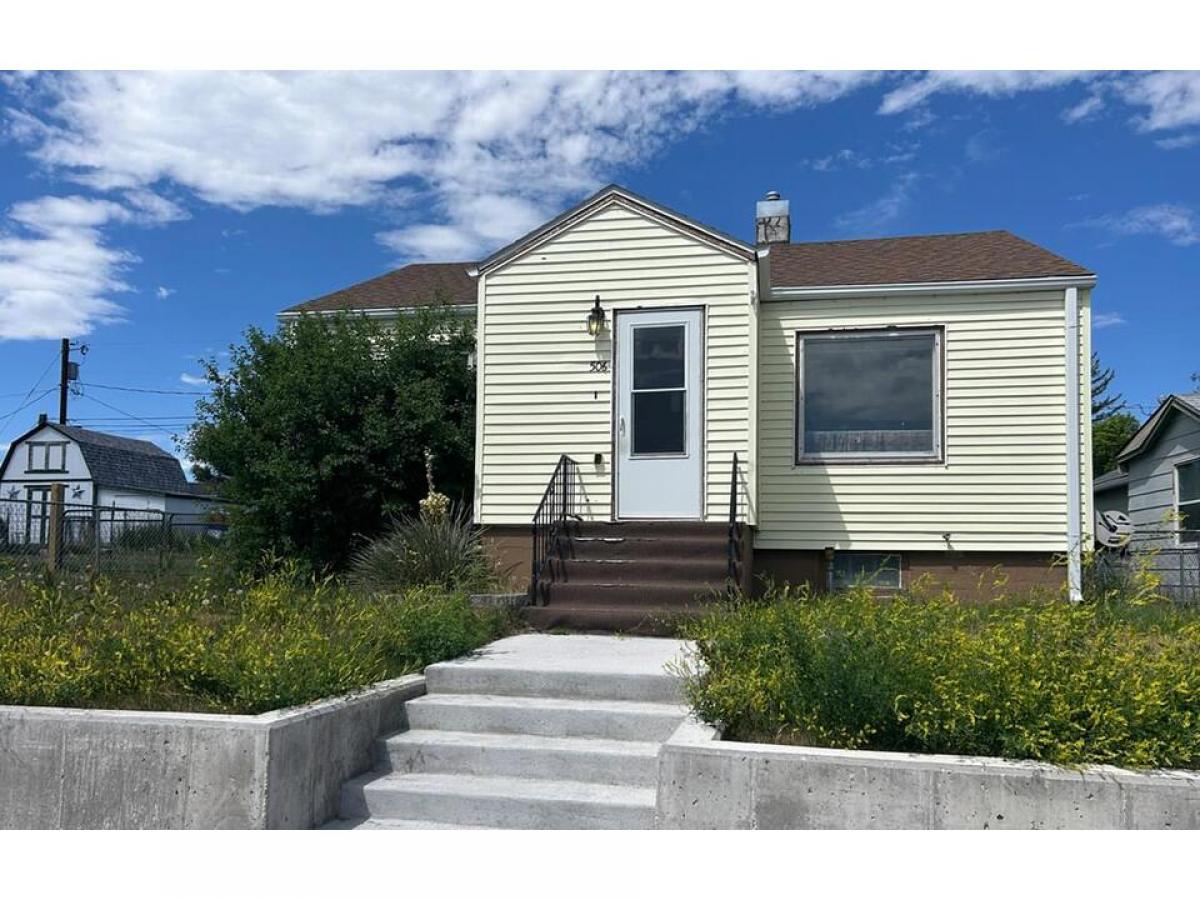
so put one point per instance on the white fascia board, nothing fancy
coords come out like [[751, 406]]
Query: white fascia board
[[462, 309], [932, 287]]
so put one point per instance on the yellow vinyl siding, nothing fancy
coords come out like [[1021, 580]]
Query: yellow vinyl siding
[[537, 397], [1002, 485]]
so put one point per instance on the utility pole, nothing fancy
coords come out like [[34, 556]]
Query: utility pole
[[64, 372], [68, 372]]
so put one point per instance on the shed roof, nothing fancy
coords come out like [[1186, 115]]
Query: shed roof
[[920, 259], [120, 462], [1143, 438]]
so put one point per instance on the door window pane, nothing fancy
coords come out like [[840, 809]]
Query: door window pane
[[658, 422], [868, 394], [658, 357]]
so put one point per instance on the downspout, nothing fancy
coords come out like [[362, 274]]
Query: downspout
[[1074, 453]]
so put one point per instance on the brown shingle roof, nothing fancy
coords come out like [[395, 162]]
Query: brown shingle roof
[[417, 284], [976, 256]]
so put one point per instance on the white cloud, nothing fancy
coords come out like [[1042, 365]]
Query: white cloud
[[878, 214], [920, 88], [848, 158], [463, 160], [56, 273], [1084, 109], [1107, 320], [162, 293], [1168, 99], [1175, 223], [1179, 142], [193, 380]]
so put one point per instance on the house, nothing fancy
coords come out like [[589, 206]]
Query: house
[[664, 405], [127, 480], [1157, 483]]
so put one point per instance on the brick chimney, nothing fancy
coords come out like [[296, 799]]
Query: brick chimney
[[772, 221]]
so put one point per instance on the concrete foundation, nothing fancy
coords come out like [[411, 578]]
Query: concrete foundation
[[74, 768], [704, 782]]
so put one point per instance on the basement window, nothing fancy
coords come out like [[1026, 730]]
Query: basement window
[[869, 395], [47, 457], [857, 569]]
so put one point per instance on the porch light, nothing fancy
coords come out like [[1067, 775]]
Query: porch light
[[595, 319]]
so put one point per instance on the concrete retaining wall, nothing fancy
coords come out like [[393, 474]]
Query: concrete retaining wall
[[708, 783], [74, 768]]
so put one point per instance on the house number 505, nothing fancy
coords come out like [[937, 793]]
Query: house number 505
[[599, 365]]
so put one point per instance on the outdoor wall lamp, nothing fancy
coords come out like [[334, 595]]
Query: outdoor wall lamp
[[595, 319]]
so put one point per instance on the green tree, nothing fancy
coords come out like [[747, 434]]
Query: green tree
[[1109, 435], [318, 431], [1103, 403]]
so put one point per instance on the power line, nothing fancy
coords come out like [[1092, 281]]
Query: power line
[[130, 415], [135, 390], [26, 401]]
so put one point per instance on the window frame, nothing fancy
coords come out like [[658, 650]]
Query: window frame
[[45, 447], [938, 400], [1178, 501], [849, 554], [685, 390]]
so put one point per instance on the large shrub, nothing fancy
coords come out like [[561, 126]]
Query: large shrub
[[1102, 682], [244, 646], [319, 431]]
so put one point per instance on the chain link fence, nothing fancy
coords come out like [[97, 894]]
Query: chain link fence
[[1174, 562], [104, 539]]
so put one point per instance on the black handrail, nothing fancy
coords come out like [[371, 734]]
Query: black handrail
[[735, 532], [549, 522]]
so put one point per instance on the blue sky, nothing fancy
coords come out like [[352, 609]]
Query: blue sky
[[156, 216]]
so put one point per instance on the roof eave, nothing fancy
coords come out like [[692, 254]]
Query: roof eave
[[1143, 438], [980, 286], [383, 312]]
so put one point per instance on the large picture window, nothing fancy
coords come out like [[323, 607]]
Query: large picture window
[[869, 395]]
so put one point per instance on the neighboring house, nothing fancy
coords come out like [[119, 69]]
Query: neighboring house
[[897, 406], [1157, 482], [96, 470]]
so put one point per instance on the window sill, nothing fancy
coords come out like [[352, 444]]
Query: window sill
[[870, 461]]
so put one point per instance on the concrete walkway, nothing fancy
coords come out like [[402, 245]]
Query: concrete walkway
[[533, 731]]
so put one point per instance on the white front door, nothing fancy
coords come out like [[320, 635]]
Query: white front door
[[658, 434]]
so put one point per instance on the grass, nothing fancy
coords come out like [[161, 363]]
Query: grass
[[217, 643], [1108, 681]]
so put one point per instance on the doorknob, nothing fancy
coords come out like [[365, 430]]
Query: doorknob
[[622, 425]]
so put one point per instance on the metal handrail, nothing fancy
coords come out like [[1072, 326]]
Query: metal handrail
[[549, 522], [735, 533]]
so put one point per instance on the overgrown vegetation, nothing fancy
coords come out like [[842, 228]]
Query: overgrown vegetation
[[439, 547], [218, 642], [319, 431], [1110, 681]]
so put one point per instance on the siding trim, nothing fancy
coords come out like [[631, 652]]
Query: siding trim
[[932, 287], [480, 387]]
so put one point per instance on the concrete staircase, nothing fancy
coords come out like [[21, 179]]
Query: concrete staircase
[[634, 577], [537, 731]]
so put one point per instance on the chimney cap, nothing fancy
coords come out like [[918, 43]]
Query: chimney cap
[[772, 195]]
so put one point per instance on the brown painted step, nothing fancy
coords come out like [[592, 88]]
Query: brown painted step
[[626, 620], [647, 547], [633, 594], [648, 529], [583, 570]]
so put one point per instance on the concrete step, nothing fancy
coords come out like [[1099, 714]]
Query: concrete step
[[618, 546], [688, 571], [518, 755], [583, 683], [649, 528], [368, 824], [497, 802], [613, 719], [588, 618], [640, 594]]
